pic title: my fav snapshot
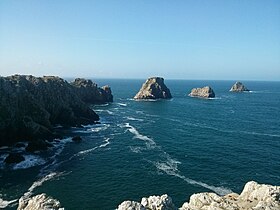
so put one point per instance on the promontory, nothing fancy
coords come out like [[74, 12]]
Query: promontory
[[238, 87], [205, 92], [153, 88], [31, 106]]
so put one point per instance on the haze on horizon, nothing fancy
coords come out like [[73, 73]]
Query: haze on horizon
[[182, 39]]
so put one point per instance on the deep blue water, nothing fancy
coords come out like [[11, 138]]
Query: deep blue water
[[180, 146]]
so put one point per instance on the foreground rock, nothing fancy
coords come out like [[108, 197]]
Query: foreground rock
[[238, 87], [253, 197], [30, 107], [163, 202], [153, 88], [39, 202], [205, 92]]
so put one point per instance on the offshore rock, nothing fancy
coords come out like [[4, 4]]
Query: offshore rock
[[238, 87], [30, 107], [14, 158], [153, 88], [90, 93], [39, 202], [205, 92], [253, 197], [131, 205]]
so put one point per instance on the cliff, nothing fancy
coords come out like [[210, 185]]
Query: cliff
[[30, 107], [153, 88]]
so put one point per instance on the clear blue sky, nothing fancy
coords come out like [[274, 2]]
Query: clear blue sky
[[176, 39]]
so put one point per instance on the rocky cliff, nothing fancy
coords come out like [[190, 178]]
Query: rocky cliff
[[30, 107], [238, 87], [90, 93], [205, 92], [153, 88], [253, 197]]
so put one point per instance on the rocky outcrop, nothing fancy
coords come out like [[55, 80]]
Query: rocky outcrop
[[30, 106], [90, 93], [39, 202], [238, 87], [14, 158], [205, 92], [253, 197], [163, 202], [153, 88]]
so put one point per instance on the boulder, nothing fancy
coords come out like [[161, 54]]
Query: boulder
[[153, 88], [14, 158], [205, 92], [37, 145], [39, 202], [238, 87], [76, 139], [131, 205]]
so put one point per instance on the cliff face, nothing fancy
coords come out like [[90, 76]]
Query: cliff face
[[90, 93], [30, 107], [153, 88]]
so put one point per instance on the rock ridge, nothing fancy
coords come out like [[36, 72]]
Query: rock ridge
[[31, 106]]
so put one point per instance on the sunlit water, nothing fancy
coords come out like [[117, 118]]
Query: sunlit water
[[180, 146]]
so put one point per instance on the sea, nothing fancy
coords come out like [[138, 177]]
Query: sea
[[177, 147]]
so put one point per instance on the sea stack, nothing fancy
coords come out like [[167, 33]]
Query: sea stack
[[153, 88], [205, 92], [238, 87]]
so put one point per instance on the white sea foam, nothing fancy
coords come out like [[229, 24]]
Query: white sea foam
[[170, 167], [149, 142], [4, 204], [122, 104], [99, 128], [40, 182], [102, 105], [30, 161], [134, 119], [106, 143]]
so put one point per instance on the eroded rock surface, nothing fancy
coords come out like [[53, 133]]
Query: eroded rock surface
[[39, 202], [153, 88], [205, 92], [238, 87]]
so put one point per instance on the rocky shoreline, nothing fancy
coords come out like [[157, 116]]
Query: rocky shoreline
[[253, 197]]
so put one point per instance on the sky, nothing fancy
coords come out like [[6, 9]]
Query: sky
[[175, 39]]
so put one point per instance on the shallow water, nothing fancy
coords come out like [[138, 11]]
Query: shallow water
[[179, 147]]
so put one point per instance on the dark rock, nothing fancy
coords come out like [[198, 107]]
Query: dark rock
[[154, 88], [14, 158], [19, 145], [30, 107], [37, 145], [76, 139], [90, 93], [205, 92], [238, 87]]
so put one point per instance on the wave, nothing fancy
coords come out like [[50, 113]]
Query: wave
[[122, 104], [30, 161], [98, 105], [99, 128], [170, 167], [106, 143], [134, 119], [4, 204], [149, 142]]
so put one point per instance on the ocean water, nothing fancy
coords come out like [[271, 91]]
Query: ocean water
[[180, 146]]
